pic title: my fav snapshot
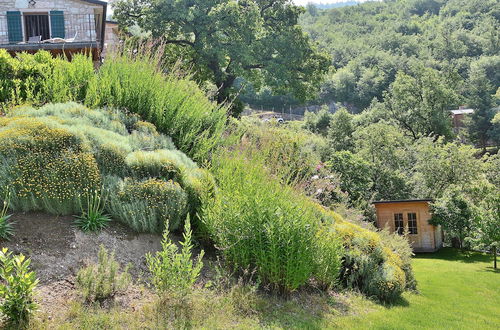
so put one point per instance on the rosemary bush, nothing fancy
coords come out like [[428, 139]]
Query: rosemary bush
[[101, 281]]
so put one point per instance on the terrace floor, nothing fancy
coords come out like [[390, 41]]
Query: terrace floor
[[29, 47]]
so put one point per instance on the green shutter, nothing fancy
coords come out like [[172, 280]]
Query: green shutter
[[57, 24], [14, 26]]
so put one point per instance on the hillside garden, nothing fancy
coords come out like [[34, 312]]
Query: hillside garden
[[135, 145]]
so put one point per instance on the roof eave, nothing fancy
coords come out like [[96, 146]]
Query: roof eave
[[404, 201], [96, 2]]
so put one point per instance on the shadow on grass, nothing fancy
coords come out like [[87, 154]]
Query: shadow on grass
[[301, 310], [452, 254], [399, 302], [492, 270]]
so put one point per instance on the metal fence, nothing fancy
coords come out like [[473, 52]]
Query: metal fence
[[54, 27]]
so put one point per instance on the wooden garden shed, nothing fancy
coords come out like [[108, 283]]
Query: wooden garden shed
[[414, 216]]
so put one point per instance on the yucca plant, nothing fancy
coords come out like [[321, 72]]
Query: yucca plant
[[6, 228], [93, 217]]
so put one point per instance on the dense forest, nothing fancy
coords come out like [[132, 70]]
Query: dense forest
[[450, 47]]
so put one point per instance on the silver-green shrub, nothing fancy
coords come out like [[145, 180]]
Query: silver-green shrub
[[53, 157], [101, 281], [147, 205]]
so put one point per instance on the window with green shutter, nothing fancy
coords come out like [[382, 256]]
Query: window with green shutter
[[57, 24], [14, 26]]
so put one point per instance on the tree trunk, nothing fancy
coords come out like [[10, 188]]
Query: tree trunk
[[224, 89], [494, 257]]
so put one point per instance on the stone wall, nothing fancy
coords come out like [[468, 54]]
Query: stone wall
[[80, 17]]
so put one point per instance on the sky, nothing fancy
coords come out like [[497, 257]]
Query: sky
[[304, 2]]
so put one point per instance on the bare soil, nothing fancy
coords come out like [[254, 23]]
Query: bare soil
[[58, 250]]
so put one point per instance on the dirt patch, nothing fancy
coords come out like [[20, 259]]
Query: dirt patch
[[58, 250]]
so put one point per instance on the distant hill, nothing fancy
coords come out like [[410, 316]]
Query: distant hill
[[321, 5], [335, 5], [373, 41]]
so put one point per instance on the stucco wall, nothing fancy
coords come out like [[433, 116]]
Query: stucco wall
[[425, 240], [79, 16]]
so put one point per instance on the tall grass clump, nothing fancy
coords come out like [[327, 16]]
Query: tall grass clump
[[6, 228], [174, 104], [92, 217], [259, 223]]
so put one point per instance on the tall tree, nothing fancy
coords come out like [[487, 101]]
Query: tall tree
[[489, 223], [341, 130], [455, 212], [483, 82], [439, 165], [259, 40], [420, 103]]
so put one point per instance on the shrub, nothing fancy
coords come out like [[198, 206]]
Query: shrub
[[368, 264], [292, 155], [54, 156], [101, 281], [174, 272], [45, 166], [327, 260], [147, 206], [6, 228], [17, 284], [93, 218], [41, 78], [199, 184], [164, 164], [258, 223], [175, 104]]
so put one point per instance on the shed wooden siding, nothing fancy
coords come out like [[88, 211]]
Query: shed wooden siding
[[428, 237]]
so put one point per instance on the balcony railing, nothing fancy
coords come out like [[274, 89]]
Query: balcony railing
[[55, 28]]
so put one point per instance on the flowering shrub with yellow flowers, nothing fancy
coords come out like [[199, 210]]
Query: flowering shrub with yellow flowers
[[53, 157], [45, 166], [148, 205]]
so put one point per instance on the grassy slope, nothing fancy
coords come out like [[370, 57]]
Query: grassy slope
[[456, 291]]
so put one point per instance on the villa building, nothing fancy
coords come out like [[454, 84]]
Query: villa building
[[59, 26]]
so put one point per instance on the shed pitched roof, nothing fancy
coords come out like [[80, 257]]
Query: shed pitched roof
[[403, 201], [462, 111]]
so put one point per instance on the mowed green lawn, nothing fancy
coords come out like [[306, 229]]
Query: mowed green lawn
[[457, 291]]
